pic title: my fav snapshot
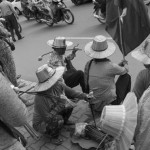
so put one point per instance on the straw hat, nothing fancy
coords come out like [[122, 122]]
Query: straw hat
[[120, 121], [143, 54], [99, 48], [59, 42], [47, 77]]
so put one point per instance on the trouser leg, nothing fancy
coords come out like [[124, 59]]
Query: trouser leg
[[15, 26], [66, 113], [54, 126], [10, 26], [74, 78]]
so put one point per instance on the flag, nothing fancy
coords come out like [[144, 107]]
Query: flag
[[135, 26]]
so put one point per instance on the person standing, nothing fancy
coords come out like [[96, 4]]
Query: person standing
[[11, 17]]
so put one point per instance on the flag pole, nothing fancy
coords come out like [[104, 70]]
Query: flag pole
[[120, 32]]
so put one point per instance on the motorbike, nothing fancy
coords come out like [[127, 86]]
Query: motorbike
[[5, 23], [79, 2], [100, 10], [62, 14], [29, 13]]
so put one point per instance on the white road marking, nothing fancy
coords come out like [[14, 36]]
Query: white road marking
[[84, 38]]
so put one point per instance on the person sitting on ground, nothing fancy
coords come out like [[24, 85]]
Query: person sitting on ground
[[72, 77], [52, 108], [143, 78], [100, 72]]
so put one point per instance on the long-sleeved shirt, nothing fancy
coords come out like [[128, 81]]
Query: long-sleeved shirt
[[50, 104]]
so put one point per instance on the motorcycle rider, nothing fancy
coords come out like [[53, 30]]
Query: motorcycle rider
[[55, 10]]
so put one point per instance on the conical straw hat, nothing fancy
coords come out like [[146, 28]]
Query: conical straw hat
[[120, 121]]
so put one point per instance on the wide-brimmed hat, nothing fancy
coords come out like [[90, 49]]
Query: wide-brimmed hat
[[143, 54], [47, 77], [99, 48], [59, 42], [120, 121]]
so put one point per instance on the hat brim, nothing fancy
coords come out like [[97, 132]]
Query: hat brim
[[39, 87], [50, 43], [140, 56], [123, 137], [131, 108], [99, 55]]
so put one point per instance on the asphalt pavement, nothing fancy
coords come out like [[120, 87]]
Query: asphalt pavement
[[81, 32]]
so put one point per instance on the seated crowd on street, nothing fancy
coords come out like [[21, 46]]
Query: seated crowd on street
[[118, 115]]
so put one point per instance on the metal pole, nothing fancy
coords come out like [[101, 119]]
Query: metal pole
[[91, 107], [120, 32]]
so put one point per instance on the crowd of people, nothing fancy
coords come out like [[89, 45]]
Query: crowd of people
[[54, 93]]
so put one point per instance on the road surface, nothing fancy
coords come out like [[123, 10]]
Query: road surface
[[84, 28]]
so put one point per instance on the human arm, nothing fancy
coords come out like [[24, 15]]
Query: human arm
[[119, 69], [4, 32], [12, 109], [72, 94]]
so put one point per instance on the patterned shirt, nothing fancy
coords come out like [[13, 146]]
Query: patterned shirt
[[56, 60], [49, 104]]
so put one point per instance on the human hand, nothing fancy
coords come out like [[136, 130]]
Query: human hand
[[90, 96], [16, 89], [123, 63], [124, 12], [64, 97]]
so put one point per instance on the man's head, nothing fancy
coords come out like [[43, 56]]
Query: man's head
[[59, 44], [60, 51]]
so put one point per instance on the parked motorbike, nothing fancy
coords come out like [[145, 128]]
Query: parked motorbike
[[28, 13], [100, 10], [5, 23], [79, 2]]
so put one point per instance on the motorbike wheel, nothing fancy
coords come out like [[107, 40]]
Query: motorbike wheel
[[19, 27], [68, 17], [101, 20], [49, 21], [76, 2], [26, 14]]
